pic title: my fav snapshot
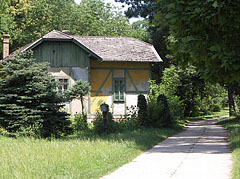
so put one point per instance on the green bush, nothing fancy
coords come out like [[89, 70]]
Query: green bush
[[166, 116], [127, 125], [29, 102], [100, 128], [142, 112], [79, 122], [3, 131]]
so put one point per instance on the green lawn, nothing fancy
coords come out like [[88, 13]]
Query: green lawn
[[232, 124], [83, 156]]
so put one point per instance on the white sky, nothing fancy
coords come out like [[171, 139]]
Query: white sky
[[115, 4]]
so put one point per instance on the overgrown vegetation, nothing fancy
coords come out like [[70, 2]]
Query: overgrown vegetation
[[232, 124], [85, 155], [29, 102]]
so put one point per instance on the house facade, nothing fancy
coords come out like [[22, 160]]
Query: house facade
[[117, 68]]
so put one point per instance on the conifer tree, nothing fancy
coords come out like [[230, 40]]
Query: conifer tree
[[28, 98]]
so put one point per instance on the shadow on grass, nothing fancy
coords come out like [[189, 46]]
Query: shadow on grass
[[144, 138]]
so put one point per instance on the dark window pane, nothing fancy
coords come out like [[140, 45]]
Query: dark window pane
[[65, 87]]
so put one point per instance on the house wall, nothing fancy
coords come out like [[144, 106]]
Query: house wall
[[67, 60], [135, 76], [72, 75], [61, 54]]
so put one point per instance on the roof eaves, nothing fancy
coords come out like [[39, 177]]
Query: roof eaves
[[34, 44], [156, 54]]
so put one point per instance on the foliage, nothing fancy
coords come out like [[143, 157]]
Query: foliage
[[232, 124], [99, 127], [131, 112], [78, 90], [129, 124], [158, 34], [28, 99], [166, 117], [141, 30], [142, 106], [28, 20], [79, 122], [198, 95], [168, 87], [205, 34]]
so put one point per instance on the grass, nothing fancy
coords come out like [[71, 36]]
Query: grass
[[232, 124], [224, 112], [82, 156]]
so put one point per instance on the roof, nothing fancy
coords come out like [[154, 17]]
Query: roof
[[104, 48]]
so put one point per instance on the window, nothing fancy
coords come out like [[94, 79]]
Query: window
[[62, 84], [118, 89]]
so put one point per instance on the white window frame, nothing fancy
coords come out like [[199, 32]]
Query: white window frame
[[63, 84]]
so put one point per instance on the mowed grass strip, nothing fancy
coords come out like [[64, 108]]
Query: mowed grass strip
[[232, 124], [82, 156]]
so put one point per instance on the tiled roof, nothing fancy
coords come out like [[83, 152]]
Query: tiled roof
[[106, 48], [120, 48]]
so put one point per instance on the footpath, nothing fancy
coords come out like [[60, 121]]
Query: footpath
[[199, 152]]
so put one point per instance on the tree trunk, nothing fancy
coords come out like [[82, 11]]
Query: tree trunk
[[232, 109], [81, 99]]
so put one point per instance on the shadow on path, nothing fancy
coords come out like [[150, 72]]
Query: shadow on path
[[201, 151]]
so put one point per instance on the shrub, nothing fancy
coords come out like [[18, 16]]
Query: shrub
[[78, 91], [166, 117], [29, 102], [128, 125], [100, 128], [79, 122], [142, 110]]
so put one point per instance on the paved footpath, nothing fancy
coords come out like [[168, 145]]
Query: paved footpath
[[201, 151]]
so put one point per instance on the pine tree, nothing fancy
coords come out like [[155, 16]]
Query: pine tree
[[28, 98]]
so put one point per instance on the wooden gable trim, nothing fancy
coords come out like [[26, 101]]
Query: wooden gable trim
[[39, 41]]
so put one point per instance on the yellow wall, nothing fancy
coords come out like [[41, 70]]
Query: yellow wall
[[116, 70]]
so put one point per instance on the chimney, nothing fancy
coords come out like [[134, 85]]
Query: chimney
[[6, 45]]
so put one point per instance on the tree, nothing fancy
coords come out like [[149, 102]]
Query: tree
[[158, 32], [205, 34], [78, 90], [28, 20], [29, 100], [7, 24]]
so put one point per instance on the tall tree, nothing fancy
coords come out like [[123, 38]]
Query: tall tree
[[158, 32], [7, 24], [29, 101], [28, 20], [206, 34]]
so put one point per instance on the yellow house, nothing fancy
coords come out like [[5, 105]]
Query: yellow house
[[117, 68]]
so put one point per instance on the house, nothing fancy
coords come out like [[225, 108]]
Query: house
[[117, 68]]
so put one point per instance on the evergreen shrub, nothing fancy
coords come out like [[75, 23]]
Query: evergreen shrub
[[29, 102], [142, 110]]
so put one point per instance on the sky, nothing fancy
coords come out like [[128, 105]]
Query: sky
[[115, 4]]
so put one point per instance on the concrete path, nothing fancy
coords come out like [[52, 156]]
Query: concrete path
[[201, 151]]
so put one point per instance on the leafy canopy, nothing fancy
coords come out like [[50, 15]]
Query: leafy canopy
[[205, 34], [28, 20]]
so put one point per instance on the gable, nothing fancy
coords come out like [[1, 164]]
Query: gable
[[61, 54]]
